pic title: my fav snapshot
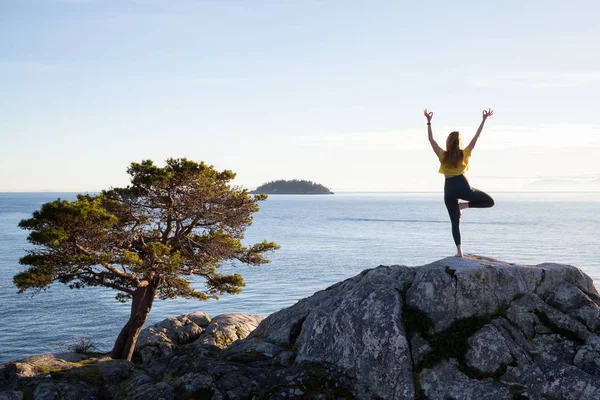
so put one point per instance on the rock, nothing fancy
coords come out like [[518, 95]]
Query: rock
[[477, 328], [11, 395], [419, 348], [570, 300], [69, 357], [199, 318], [194, 382], [64, 391], [550, 349], [171, 330], [115, 371], [150, 353], [555, 381], [236, 385], [149, 391], [445, 381], [141, 387], [588, 359], [489, 351], [225, 329], [161, 339], [253, 348], [356, 326], [285, 358]]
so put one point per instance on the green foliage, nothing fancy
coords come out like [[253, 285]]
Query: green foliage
[[183, 219], [294, 186]]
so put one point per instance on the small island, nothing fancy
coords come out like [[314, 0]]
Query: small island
[[293, 186]]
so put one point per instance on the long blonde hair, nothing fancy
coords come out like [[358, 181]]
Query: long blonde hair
[[453, 155]]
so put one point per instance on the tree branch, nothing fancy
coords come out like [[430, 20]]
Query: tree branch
[[99, 279], [115, 270]]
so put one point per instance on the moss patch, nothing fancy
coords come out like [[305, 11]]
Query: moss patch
[[238, 332], [319, 382], [81, 371], [223, 340], [450, 271]]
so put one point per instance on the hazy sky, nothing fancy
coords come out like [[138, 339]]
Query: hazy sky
[[331, 91]]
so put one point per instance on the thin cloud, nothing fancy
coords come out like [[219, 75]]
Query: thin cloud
[[538, 80]]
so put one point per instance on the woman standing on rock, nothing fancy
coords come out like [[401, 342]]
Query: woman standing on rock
[[454, 162]]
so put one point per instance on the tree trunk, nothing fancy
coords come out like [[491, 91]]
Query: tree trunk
[[140, 308]]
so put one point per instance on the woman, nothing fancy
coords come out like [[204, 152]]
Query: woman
[[454, 162]]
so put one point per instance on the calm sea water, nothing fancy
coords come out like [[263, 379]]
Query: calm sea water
[[324, 239]]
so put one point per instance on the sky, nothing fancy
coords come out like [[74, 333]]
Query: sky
[[329, 91]]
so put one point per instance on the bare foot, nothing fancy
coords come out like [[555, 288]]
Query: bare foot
[[459, 252]]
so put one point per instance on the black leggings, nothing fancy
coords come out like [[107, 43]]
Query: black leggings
[[458, 187]]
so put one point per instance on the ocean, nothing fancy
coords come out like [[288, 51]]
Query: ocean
[[324, 239]]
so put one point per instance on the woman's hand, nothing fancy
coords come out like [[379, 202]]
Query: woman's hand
[[428, 115], [486, 113]]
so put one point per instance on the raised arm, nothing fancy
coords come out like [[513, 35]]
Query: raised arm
[[433, 143], [486, 114]]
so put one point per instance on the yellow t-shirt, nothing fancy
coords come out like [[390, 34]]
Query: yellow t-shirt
[[462, 167]]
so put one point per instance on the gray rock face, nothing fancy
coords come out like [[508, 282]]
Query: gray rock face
[[489, 350], [445, 381], [457, 328], [360, 326]]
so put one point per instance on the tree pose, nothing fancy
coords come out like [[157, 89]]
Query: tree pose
[[146, 240], [454, 162]]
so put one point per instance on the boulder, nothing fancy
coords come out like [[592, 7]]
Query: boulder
[[225, 329], [160, 340], [181, 329], [456, 328]]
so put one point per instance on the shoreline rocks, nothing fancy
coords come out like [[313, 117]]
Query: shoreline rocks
[[456, 328]]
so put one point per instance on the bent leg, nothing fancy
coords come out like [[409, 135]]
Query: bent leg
[[452, 206], [478, 199]]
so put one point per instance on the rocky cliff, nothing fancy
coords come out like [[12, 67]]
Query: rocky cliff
[[472, 328]]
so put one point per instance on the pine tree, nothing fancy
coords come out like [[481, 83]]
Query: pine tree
[[146, 240]]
